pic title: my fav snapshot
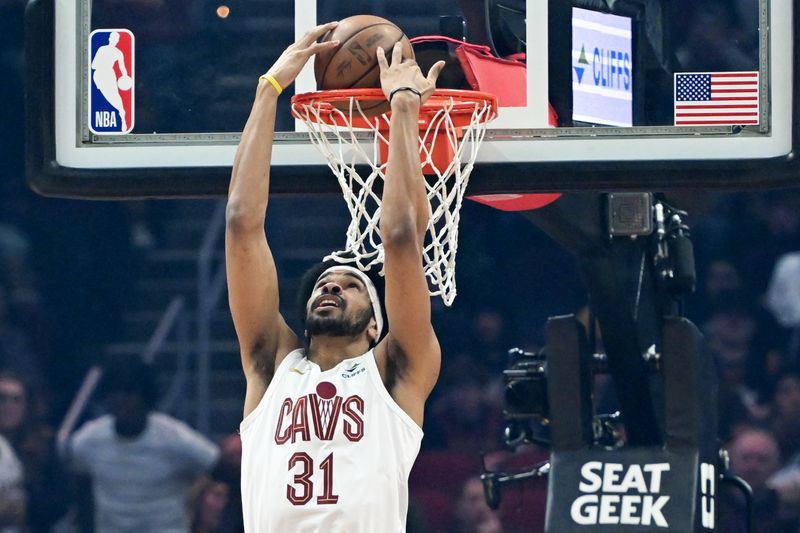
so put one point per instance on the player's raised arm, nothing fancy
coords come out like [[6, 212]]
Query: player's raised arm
[[264, 337], [411, 349]]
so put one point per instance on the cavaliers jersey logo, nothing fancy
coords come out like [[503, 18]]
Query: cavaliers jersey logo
[[320, 412], [111, 80], [354, 370]]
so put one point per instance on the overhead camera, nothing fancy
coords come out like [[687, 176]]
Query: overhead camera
[[525, 401], [526, 385], [525, 404]]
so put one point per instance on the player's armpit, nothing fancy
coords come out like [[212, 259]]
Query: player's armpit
[[410, 380]]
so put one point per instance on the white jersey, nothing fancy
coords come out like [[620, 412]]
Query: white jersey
[[140, 483], [327, 451]]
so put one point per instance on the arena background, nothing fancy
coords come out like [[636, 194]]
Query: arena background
[[81, 282]]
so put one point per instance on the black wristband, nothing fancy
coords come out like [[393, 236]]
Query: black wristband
[[410, 89]]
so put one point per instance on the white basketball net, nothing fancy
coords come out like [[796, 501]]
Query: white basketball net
[[353, 156]]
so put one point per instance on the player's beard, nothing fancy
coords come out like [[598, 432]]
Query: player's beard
[[338, 325]]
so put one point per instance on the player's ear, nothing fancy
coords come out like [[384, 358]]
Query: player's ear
[[372, 332]]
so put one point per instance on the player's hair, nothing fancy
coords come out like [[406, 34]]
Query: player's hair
[[129, 374], [312, 275]]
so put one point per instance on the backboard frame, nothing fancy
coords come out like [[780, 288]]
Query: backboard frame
[[50, 175]]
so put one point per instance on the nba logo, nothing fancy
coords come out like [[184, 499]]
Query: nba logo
[[111, 81]]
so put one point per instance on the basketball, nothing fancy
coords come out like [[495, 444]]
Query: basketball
[[124, 83], [354, 64]]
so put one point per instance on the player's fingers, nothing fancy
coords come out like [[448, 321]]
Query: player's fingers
[[315, 33], [397, 53], [382, 63], [320, 47], [433, 73]]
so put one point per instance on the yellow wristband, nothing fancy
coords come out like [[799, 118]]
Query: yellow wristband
[[272, 82]]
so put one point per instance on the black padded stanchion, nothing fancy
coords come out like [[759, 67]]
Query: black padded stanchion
[[633, 489], [569, 370], [691, 414], [622, 300]]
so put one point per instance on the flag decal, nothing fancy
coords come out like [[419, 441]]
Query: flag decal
[[716, 98]]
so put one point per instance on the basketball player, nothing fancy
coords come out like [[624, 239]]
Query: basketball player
[[105, 77], [331, 430]]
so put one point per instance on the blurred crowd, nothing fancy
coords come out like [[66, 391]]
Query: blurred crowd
[[65, 268], [747, 303]]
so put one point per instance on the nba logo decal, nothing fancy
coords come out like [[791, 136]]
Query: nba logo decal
[[111, 81]]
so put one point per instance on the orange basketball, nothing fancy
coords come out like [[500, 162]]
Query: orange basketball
[[354, 63]]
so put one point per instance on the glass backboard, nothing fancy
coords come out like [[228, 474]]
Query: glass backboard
[[629, 94]]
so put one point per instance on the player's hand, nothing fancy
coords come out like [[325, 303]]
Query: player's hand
[[294, 58], [406, 73]]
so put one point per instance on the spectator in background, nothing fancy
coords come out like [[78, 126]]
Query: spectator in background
[[783, 300], [13, 407], [16, 268], [141, 463], [33, 442], [729, 330], [467, 412], [489, 340], [14, 250], [784, 418], [12, 497], [25, 332], [16, 354], [755, 457], [207, 502], [777, 223], [721, 277], [229, 472], [785, 422], [472, 514], [746, 365]]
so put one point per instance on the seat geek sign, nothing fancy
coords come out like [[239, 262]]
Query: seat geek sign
[[615, 493], [635, 490]]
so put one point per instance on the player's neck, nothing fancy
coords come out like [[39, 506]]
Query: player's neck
[[329, 351]]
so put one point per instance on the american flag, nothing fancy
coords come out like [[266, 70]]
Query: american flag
[[716, 98]]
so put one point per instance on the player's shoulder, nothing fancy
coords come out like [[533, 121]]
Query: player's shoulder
[[171, 431], [97, 429], [165, 424]]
